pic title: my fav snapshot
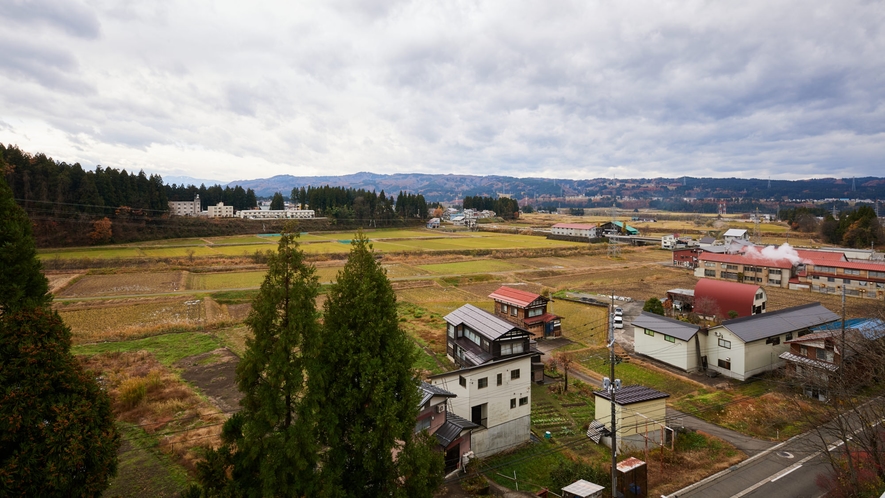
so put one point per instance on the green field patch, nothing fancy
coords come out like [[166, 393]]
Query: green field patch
[[248, 239], [632, 374], [241, 250], [167, 348], [329, 247], [103, 253], [475, 266], [328, 274], [582, 322], [170, 242], [225, 280], [235, 296], [142, 469], [179, 252], [399, 270]]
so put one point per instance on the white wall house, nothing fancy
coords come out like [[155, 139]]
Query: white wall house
[[669, 341], [738, 348], [498, 397], [574, 230], [735, 234]]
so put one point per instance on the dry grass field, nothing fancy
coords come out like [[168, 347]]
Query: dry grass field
[[124, 284]]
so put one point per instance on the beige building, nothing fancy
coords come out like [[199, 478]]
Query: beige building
[[185, 208], [220, 211]]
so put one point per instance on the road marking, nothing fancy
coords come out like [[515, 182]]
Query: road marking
[[787, 472]]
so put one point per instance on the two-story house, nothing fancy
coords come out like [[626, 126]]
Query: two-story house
[[813, 359], [451, 431], [496, 397], [528, 310]]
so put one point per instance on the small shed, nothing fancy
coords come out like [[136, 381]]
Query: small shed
[[582, 489], [639, 413], [632, 478]]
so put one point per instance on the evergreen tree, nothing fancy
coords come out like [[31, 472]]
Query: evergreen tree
[[269, 444], [277, 203], [368, 390], [57, 433]]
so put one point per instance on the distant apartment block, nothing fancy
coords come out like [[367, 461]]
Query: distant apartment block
[[185, 208]]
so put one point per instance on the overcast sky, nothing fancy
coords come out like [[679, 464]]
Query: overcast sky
[[585, 89]]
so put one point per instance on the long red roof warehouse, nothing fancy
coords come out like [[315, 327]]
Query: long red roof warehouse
[[730, 296]]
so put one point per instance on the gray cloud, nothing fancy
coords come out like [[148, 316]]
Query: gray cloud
[[578, 89]]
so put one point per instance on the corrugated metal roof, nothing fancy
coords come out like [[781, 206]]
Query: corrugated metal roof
[[756, 327], [728, 296], [628, 395], [483, 322], [813, 255], [428, 391], [452, 429], [745, 260], [870, 328], [852, 265], [735, 232], [808, 361], [669, 326], [513, 296], [582, 488]]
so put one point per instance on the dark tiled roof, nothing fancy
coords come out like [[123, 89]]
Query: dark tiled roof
[[756, 327], [483, 322], [628, 395], [452, 429], [429, 390], [669, 326]]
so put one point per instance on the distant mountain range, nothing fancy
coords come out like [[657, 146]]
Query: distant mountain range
[[446, 188]]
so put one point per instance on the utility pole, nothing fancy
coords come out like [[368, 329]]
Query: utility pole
[[611, 384]]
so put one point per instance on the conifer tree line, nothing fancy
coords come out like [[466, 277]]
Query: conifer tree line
[[503, 206], [358, 204], [328, 406], [57, 432]]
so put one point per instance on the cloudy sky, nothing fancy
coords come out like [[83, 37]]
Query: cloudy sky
[[239, 90]]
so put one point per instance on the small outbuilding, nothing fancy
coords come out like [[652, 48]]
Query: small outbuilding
[[720, 297], [582, 489], [639, 414]]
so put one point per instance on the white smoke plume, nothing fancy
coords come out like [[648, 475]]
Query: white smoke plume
[[784, 251]]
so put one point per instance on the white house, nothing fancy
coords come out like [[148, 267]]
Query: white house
[[667, 340], [739, 348], [735, 234], [497, 396], [574, 230]]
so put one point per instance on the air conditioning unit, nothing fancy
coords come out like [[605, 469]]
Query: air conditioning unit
[[440, 408]]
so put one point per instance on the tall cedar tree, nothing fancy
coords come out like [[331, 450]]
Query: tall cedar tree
[[270, 444], [368, 390], [57, 433]]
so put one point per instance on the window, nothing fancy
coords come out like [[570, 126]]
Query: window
[[731, 267], [512, 347], [774, 341], [513, 311], [462, 381], [512, 403], [724, 344], [774, 272], [709, 273], [759, 295], [709, 264], [729, 275], [535, 312], [479, 414], [726, 364], [831, 279], [849, 271], [846, 281], [514, 374], [877, 274], [789, 337], [473, 336], [803, 350], [504, 309], [423, 424], [825, 269], [824, 355], [669, 338], [451, 329], [500, 379], [774, 282], [483, 383], [523, 401], [650, 332]]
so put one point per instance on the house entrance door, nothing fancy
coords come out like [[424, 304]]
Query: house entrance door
[[453, 456]]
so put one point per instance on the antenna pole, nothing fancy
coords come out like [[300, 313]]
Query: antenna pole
[[611, 338]]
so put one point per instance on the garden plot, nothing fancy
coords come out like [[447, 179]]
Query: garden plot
[[442, 300], [58, 281], [225, 280], [125, 284], [121, 321]]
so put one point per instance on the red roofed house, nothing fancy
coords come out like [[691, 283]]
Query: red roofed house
[[719, 297], [528, 310], [747, 269]]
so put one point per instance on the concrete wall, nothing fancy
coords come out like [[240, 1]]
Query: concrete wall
[[486, 442]]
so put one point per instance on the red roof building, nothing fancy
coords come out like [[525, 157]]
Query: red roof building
[[719, 298], [746, 269], [528, 310]]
